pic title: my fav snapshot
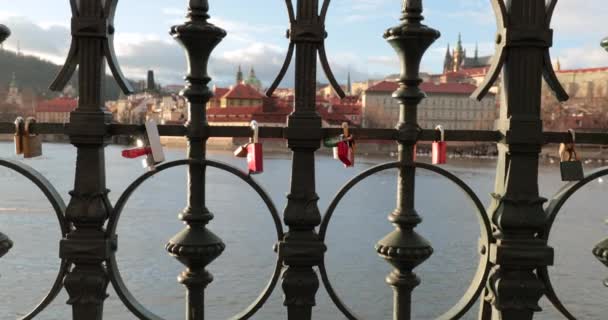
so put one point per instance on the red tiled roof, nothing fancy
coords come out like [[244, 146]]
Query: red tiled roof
[[61, 104], [383, 86], [587, 70], [428, 87], [233, 111], [220, 92], [243, 91]]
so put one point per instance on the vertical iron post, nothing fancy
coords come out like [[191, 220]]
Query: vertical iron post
[[301, 248], [514, 288], [403, 248], [600, 251], [5, 243], [86, 246], [196, 246]]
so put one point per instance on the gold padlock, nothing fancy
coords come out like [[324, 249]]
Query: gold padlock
[[19, 123], [32, 143]]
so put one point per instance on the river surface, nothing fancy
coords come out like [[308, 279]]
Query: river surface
[[241, 220]]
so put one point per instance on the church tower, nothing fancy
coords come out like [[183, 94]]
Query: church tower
[[253, 80], [14, 96], [459, 55], [447, 62], [239, 76], [349, 85]]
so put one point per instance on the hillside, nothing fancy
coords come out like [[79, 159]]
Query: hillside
[[35, 74]]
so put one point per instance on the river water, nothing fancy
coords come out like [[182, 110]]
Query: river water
[[357, 273]]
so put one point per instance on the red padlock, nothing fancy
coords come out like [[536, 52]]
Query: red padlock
[[344, 153], [136, 152], [255, 153], [440, 148]]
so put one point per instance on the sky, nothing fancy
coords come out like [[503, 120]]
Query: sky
[[256, 35]]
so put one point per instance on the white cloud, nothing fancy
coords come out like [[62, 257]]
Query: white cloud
[[572, 58]]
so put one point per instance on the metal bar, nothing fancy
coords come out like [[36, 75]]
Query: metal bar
[[517, 208], [404, 248], [301, 249], [5, 243], [86, 245], [195, 246], [361, 134]]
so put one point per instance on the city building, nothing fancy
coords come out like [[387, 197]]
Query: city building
[[587, 108], [447, 104], [56, 110]]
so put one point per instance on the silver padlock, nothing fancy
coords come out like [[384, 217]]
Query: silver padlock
[[156, 154], [32, 143]]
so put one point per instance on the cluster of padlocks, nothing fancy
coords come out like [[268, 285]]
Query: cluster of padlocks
[[343, 145], [26, 143]]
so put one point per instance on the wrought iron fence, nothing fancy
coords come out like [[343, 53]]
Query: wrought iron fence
[[512, 273]]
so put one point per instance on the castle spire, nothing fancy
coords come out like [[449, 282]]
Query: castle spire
[[476, 51], [349, 87], [447, 61], [252, 73], [459, 55], [239, 76]]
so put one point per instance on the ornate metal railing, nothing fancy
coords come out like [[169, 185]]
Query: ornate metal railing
[[512, 273]]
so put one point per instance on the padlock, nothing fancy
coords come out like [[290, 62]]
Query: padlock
[[156, 154], [19, 124], [255, 153], [151, 147], [32, 143], [345, 153], [332, 142], [351, 151], [241, 152], [571, 167], [345, 147], [440, 148]]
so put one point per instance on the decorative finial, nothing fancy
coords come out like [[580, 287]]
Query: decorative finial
[[412, 11], [4, 33], [604, 43], [198, 9]]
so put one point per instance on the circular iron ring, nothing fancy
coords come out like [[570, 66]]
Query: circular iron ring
[[552, 210], [56, 201], [481, 275], [117, 282]]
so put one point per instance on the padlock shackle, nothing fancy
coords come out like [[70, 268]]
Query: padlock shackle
[[441, 132], [26, 128], [573, 135], [19, 125], [256, 131], [345, 130]]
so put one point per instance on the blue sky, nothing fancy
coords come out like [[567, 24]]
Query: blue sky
[[257, 27]]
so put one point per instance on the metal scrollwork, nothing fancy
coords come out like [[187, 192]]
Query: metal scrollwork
[[59, 208], [83, 28], [473, 292], [115, 277], [307, 31], [552, 210], [509, 37]]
